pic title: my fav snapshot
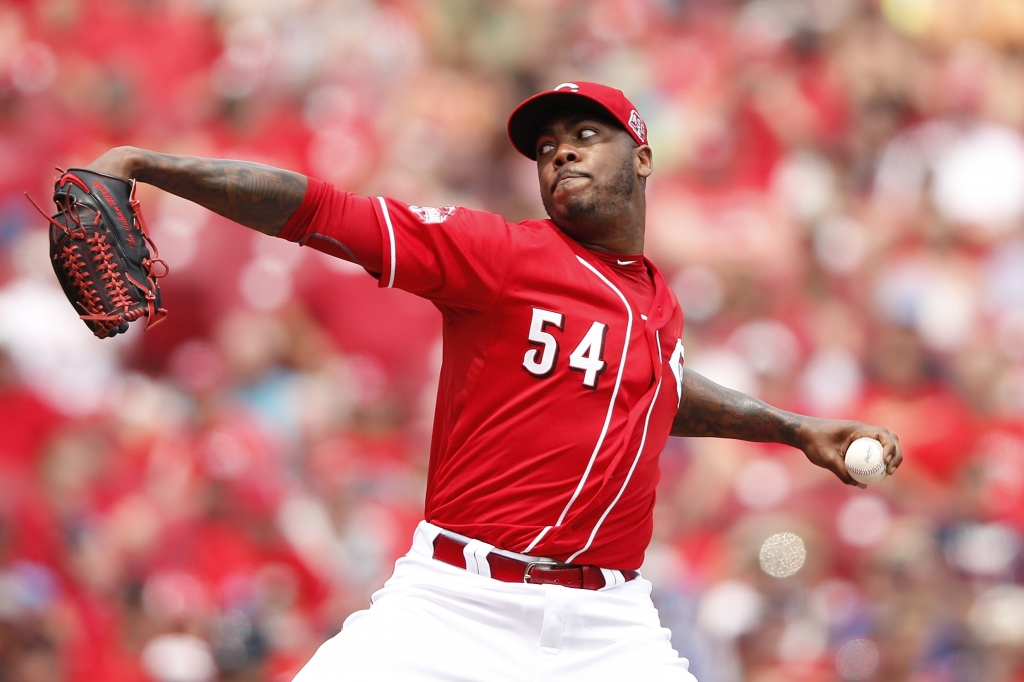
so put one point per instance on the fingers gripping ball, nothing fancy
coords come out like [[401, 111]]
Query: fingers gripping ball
[[102, 254], [864, 461]]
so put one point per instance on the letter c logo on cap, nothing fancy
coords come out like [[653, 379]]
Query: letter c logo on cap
[[567, 86]]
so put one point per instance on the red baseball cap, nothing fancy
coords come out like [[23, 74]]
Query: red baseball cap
[[531, 114]]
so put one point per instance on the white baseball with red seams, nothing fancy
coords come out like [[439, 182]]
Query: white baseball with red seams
[[865, 462]]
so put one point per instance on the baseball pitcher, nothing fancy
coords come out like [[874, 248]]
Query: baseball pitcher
[[563, 377]]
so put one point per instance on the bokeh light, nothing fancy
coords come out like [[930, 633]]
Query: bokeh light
[[782, 555], [863, 520], [762, 483], [730, 609], [857, 659], [997, 615]]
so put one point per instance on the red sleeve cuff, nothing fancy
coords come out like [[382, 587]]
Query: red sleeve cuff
[[298, 225], [337, 223]]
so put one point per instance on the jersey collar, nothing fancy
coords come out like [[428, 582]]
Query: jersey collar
[[662, 306]]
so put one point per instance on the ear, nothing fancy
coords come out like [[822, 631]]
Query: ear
[[643, 161]]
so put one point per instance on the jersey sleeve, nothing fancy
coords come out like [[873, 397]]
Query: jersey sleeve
[[453, 256], [337, 223]]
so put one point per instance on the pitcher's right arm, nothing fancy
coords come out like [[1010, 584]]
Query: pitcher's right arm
[[259, 197]]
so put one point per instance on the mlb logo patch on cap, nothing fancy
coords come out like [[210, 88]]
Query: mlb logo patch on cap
[[637, 125]]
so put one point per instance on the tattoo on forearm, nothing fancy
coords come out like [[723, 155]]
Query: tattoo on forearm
[[257, 196], [707, 409]]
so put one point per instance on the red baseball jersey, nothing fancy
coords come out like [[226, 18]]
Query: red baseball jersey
[[561, 375]]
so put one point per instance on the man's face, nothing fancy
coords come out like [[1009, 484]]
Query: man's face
[[589, 170]]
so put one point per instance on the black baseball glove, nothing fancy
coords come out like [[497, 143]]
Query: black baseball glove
[[100, 251]]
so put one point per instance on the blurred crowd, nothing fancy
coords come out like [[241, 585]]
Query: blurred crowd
[[838, 202]]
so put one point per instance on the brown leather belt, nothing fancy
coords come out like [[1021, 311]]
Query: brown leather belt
[[545, 572]]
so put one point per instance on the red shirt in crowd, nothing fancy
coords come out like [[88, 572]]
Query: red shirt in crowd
[[561, 373]]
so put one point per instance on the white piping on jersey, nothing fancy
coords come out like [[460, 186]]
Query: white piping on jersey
[[636, 460], [611, 406], [391, 238], [537, 539]]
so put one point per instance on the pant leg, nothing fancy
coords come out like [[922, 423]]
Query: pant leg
[[432, 623], [404, 642], [613, 635]]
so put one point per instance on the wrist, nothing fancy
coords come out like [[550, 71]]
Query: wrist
[[122, 162], [133, 162], [799, 433]]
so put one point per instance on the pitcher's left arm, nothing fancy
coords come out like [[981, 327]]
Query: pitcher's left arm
[[710, 410]]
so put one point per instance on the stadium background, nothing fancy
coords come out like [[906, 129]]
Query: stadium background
[[838, 202]]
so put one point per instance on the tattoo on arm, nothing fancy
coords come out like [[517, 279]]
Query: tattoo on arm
[[257, 196], [708, 409]]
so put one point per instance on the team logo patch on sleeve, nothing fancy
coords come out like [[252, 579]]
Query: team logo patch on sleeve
[[430, 215]]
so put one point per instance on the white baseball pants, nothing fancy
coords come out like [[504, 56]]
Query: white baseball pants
[[435, 622]]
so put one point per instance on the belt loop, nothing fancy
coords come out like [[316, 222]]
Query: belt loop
[[612, 578], [476, 557], [423, 538]]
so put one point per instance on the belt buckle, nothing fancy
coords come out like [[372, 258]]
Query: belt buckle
[[533, 564]]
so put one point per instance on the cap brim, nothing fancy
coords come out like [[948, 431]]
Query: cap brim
[[528, 117]]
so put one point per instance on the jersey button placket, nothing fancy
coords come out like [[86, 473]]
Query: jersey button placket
[[653, 347]]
